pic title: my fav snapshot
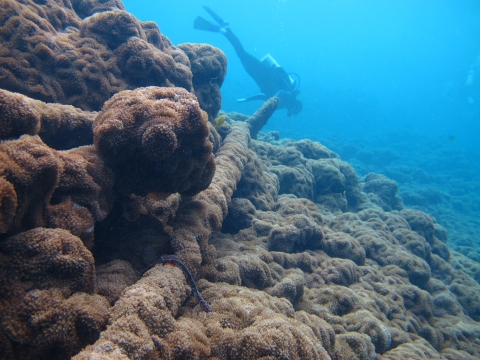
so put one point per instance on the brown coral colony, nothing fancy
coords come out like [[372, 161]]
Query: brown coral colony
[[109, 161], [155, 140]]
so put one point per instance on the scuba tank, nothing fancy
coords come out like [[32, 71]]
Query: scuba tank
[[270, 62]]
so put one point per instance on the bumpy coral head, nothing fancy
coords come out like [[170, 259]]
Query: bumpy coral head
[[155, 140]]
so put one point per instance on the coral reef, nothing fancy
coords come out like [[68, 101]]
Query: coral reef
[[48, 307], [43, 187], [82, 52], [37, 256], [175, 261], [59, 126], [209, 67], [143, 317], [112, 278], [243, 324], [434, 176], [291, 254], [382, 191], [155, 140], [307, 169], [258, 120], [30, 172], [46, 324]]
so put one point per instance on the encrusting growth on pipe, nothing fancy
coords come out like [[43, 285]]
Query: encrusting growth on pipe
[[173, 260], [260, 118]]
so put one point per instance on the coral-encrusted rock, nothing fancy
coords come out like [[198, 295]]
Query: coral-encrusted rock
[[309, 170], [142, 64], [143, 316], [159, 206], [209, 67], [258, 184], [421, 349], [30, 171], [335, 271], [47, 322], [343, 246], [8, 201], [73, 217], [263, 327], [364, 322], [111, 28], [299, 233], [372, 237], [297, 228], [17, 116], [291, 286], [312, 150], [59, 126], [41, 187], [114, 277], [49, 258], [354, 346], [240, 214], [42, 60], [382, 191], [49, 53], [420, 223], [86, 180], [85, 8], [156, 140]]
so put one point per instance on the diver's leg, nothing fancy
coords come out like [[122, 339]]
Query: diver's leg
[[237, 45], [252, 65]]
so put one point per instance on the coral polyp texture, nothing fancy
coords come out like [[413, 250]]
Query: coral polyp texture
[[59, 126], [209, 67], [155, 140], [82, 52], [295, 256]]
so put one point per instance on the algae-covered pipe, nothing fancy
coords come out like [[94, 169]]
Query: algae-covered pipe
[[258, 120]]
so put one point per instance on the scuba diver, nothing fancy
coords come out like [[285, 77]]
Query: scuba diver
[[469, 83], [272, 79]]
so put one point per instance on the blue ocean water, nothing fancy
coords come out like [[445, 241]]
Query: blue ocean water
[[383, 83]]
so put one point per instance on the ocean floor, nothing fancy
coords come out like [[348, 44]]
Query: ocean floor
[[133, 225]]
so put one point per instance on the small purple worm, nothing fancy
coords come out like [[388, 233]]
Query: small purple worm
[[172, 259]]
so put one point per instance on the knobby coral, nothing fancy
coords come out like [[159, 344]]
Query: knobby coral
[[155, 140], [293, 254]]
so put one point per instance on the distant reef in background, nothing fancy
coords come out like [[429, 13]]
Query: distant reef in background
[[109, 160]]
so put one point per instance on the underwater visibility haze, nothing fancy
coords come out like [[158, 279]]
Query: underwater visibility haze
[[365, 66], [146, 213], [392, 86]]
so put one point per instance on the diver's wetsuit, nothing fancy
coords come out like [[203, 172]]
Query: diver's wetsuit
[[269, 76], [270, 79]]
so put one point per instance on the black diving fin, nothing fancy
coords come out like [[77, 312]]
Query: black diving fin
[[205, 25], [218, 19]]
